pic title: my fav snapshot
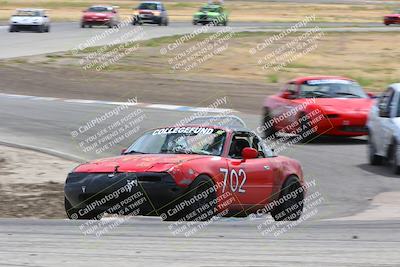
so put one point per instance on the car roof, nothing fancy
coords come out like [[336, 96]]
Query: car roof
[[30, 9], [395, 86], [150, 2], [227, 121], [102, 6], [301, 80]]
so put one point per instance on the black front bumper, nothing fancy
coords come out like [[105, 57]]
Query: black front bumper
[[148, 19], [145, 192]]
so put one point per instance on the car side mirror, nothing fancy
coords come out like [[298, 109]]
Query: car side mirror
[[372, 95], [288, 95], [123, 151], [383, 112], [249, 153]]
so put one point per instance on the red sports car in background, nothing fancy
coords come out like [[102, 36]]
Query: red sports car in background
[[312, 106], [393, 18], [188, 172], [100, 16]]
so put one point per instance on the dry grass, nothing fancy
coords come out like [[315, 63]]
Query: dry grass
[[239, 10], [370, 58]]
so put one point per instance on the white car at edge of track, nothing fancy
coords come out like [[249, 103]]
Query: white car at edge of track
[[30, 19], [384, 129]]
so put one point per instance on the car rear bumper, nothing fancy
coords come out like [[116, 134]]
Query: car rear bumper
[[103, 192]]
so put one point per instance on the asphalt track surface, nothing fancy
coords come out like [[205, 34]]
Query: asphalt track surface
[[344, 179], [68, 36]]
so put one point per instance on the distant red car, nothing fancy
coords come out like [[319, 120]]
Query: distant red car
[[392, 18], [186, 172], [323, 105], [100, 16]]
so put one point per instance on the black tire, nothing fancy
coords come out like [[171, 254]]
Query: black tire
[[194, 23], [201, 184], [83, 25], [225, 23], [166, 22], [40, 29], [394, 158], [373, 158], [292, 208], [73, 214], [270, 131], [90, 26], [48, 28], [11, 29]]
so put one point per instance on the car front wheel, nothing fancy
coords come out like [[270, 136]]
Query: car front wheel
[[291, 201]]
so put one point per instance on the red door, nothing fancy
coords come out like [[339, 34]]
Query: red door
[[250, 181]]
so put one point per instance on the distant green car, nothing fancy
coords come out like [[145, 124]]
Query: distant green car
[[211, 13]]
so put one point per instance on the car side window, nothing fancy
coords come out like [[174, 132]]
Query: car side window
[[239, 141], [257, 145], [385, 102]]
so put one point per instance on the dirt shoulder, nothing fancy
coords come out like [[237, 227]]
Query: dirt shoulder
[[31, 184]]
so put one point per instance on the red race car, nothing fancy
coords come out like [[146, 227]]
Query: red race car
[[100, 16], [313, 106], [190, 172], [393, 18]]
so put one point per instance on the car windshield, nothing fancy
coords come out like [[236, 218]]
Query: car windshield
[[180, 140], [27, 13], [99, 9], [331, 89], [209, 9], [149, 6]]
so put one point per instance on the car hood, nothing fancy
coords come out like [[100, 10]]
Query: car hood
[[26, 18], [343, 105], [392, 15], [137, 163]]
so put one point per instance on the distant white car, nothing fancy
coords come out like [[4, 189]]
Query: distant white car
[[30, 19], [384, 129]]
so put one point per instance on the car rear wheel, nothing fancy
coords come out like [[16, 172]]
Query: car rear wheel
[[291, 206], [12, 29], [269, 128], [73, 214], [394, 158], [374, 159]]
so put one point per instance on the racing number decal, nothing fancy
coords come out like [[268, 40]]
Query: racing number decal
[[234, 178]]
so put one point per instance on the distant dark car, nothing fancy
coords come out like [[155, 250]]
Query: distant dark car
[[150, 12], [100, 16], [393, 18]]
